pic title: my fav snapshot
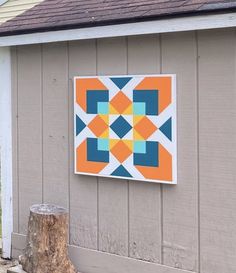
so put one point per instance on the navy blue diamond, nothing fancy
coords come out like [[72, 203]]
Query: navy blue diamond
[[120, 126]]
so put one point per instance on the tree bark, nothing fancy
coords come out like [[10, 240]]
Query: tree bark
[[46, 250]]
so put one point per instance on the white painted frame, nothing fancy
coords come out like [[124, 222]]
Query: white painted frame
[[6, 149], [174, 128], [188, 23]]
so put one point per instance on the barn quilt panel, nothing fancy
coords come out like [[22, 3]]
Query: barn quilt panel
[[125, 127]]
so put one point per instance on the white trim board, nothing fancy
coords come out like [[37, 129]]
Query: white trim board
[[6, 149], [150, 27]]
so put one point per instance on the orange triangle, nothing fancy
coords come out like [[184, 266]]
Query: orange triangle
[[105, 134], [129, 110], [112, 110], [113, 142], [137, 136], [136, 119]]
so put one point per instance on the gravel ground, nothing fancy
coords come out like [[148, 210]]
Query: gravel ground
[[5, 264]]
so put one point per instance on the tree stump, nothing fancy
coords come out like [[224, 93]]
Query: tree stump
[[46, 250]]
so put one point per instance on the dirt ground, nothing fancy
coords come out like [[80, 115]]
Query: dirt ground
[[5, 264]]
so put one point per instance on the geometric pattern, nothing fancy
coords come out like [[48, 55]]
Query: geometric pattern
[[125, 127]]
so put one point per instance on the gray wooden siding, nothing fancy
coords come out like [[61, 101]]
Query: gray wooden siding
[[217, 147], [190, 226], [145, 235], [113, 234]]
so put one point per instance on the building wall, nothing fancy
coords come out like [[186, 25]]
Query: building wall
[[12, 8], [162, 228]]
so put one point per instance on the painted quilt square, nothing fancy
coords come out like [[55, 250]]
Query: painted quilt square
[[125, 127]]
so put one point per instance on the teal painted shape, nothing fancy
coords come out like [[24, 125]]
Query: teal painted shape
[[139, 108], [121, 82], [92, 99], [121, 127], [166, 129], [150, 158], [80, 125], [103, 108], [93, 154], [140, 147], [150, 98], [121, 171], [103, 144]]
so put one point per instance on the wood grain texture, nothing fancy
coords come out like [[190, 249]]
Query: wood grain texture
[[217, 113], [180, 202], [55, 124], [144, 198], [83, 189], [30, 130], [46, 246], [112, 215], [14, 96], [92, 261], [113, 194]]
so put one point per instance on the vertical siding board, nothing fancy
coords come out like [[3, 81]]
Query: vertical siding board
[[83, 189], [180, 202], [30, 131], [14, 139], [55, 124], [123, 217], [144, 198], [217, 129], [113, 194]]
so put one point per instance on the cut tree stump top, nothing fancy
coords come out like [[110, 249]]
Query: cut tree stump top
[[47, 209]]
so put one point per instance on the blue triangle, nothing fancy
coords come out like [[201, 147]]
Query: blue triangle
[[121, 171], [166, 129], [80, 125], [121, 82]]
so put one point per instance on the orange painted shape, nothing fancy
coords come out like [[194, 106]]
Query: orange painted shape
[[121, 151], [145, 128], [98, 125], [112, 143], [136, 119], [129, 110], [128, 143], [137, 136], [105, 118], [105, 134], [112, 110], [162, 84], [120, 102], [163, 172], [84, 84], [85, 166]]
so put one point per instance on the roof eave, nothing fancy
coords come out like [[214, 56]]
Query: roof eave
[[194, 21], [92, 23]]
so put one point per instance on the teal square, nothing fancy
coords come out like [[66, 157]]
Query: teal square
[[103, 144], [139, 108], [140, 147], [103, 108]]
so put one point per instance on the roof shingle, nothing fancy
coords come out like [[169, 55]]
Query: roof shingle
[[65, 14]]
